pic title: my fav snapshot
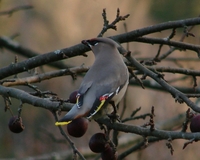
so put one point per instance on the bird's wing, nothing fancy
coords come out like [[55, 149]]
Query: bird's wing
[[101, 101], [97, 95], [99, 87]]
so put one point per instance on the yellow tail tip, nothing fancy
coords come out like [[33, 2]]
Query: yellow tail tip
[[62, 123]]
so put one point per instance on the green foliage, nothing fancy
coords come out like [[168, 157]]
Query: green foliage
[[172, 10]]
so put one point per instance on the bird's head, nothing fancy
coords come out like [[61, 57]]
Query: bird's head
[[91, 42], [100, 44]]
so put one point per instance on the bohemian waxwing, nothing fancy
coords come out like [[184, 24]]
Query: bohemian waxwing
[[106, 81]]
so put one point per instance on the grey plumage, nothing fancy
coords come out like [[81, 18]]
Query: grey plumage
[[106, 80]]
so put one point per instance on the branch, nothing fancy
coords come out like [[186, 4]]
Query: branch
[[179, 96], [130, 36], [138, 146], [35, 101], [15, 9], [11, 45], [135, 143], [162, 134], [173, 59], [44, 76], [175, 70], [156, 86], [112, 25], [178, 45], [42, 59], [80, 49]]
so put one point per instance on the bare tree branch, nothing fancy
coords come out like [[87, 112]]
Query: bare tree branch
[[80, 49], [35, 101], [162, 134], [130, 36], [44, 76], [112, 25], [15, 9], [175, 70], [178, 45], [179, 96], [8, 43]]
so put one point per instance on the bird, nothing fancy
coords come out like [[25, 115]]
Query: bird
[[103, 86]]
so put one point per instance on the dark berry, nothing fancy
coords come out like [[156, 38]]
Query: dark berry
[[195, 123], [77, 127], [72, 97], [109, 153], [98, 142], [15, 124]]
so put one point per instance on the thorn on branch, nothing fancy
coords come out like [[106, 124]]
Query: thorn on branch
[[189, 142]]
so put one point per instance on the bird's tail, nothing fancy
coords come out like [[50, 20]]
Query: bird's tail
[[64, 121]]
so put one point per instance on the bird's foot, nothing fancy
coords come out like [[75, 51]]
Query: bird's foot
[[114, 117]]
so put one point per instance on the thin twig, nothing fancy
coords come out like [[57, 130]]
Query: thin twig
[[75, 150], [112, 25], [179, 96], [15, 9], [80, 49]]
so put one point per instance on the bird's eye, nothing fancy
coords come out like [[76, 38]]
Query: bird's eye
[[93, 42]]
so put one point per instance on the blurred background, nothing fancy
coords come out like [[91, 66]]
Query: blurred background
[[53, 25]]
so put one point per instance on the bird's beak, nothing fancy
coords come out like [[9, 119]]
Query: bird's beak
[[85, 42]]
